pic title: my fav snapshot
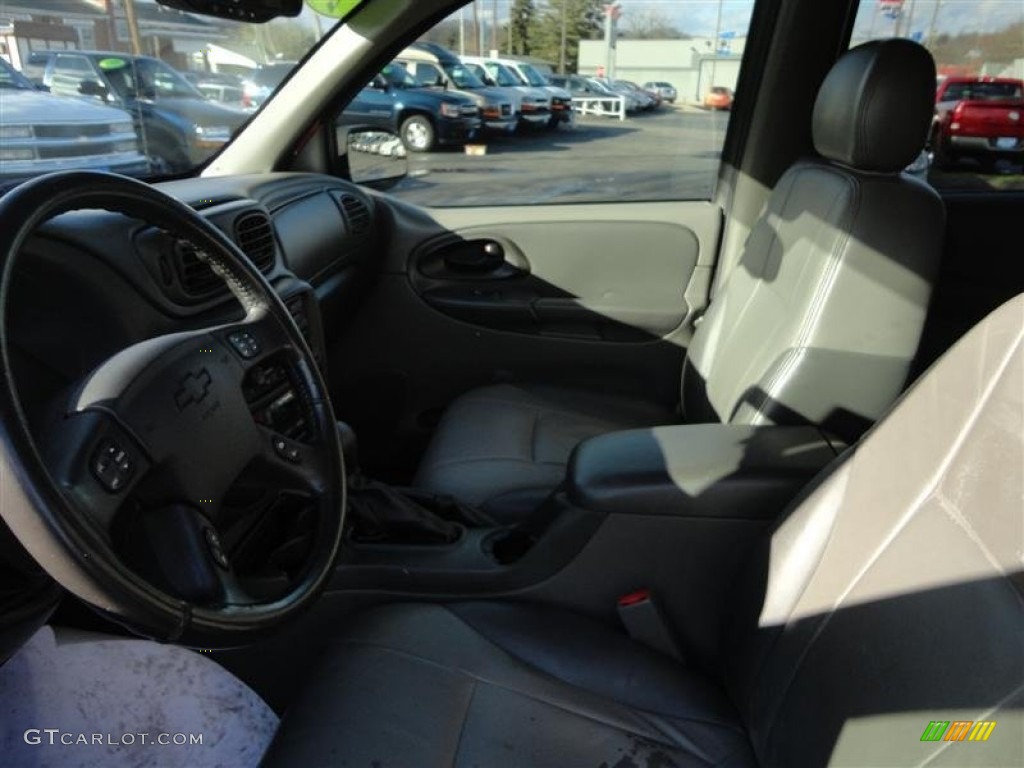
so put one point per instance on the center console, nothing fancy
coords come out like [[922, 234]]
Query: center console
[[672, 508]]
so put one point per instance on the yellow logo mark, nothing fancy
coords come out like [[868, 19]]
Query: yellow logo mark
[[982, 730]]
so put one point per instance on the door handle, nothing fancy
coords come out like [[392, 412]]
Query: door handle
[[475, 257]]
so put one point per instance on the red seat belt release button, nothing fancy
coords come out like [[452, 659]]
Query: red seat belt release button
[[646, 624]]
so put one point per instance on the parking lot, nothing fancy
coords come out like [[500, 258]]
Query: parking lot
[[668, 154]]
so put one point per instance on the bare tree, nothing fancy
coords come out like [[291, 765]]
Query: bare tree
[[650, 24]]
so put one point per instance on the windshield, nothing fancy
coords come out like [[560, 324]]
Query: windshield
[[463, 77], [398, 76], [500, 74], [121, 95], [533, 77], [145, 77], [9, 78], [981, 91]]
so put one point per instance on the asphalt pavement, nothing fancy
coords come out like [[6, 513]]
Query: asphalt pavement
[[669, 154]]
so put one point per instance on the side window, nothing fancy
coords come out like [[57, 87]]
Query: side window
[[659, 81], [74, 76], [976, 139], [427, 74]]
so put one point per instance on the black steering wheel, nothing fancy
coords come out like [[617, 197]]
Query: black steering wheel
[[121, 499]]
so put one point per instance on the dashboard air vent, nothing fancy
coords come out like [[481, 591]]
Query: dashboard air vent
[[197, 279], [357, 214], [255, 236]]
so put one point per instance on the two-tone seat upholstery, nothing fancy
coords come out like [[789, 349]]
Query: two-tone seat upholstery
[[818, 323], [889, 598]]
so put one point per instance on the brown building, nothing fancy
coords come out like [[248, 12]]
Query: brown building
[[101, 25]]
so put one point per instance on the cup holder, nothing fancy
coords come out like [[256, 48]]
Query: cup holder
[[506, 546]]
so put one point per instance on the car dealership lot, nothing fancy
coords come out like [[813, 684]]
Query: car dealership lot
[[669, 154]]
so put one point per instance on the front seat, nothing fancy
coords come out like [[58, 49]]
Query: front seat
[[885, 611], [818, 323]]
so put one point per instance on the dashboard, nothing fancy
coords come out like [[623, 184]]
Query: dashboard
[[91, 283]]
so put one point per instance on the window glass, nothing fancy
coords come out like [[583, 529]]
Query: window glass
[[976, 140], [69, 72], [502, 76], [148, 97], [650, 127]]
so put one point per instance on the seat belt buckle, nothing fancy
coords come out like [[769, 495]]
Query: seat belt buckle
[[645, 623]]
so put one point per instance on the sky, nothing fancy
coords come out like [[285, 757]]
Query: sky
[[699, 17]]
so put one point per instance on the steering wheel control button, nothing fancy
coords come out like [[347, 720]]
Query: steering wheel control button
[[216, 548], [245, 344], [111, 465], [287, 450]]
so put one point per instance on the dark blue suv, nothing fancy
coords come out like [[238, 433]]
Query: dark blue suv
[[179, 127], [423, 118]]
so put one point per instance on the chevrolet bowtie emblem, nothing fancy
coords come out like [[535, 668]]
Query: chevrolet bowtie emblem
[[193, 388]]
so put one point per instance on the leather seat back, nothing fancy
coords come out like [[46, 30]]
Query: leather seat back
[[821, 318], [892, 596]]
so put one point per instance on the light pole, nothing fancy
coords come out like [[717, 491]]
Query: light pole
[[931, 25], [714, 60], [561, 56], [494, 29], [612, 14], [462, 31], [133, 27]]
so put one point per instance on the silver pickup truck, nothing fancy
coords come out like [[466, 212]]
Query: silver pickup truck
[[40, 133]]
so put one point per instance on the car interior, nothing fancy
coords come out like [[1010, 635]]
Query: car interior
[[339, 479]]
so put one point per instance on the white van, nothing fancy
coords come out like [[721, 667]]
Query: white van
[[561, 99], [534, 103]]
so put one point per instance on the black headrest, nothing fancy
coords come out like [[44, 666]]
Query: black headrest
[[875, 107]]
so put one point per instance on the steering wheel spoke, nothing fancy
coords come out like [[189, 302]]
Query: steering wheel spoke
[[254, 340], [96, 462], [292, 465], [179, 548]]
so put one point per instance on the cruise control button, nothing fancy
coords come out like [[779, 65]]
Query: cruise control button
[[286, 450], [245, 344], [111, 465]]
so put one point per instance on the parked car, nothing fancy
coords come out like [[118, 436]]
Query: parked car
[[179, 127], [422, 117], [534, 103], [981, 118], [561, 99], [219, 86], [667, 90], [718, 97], [263, 82], [434, 66], [653, 96], [635, 100], [41, 132]]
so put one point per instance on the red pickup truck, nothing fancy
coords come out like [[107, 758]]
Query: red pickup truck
[[978, 117]]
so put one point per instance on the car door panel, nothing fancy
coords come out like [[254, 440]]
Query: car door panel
[[562, 278], [582, 295]]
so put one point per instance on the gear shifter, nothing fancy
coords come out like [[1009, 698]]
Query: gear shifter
[[380, 513]]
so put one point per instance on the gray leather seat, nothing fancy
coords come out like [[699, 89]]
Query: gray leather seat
[[890, 597], [818, 323]]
